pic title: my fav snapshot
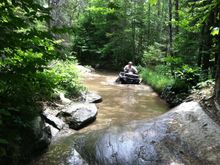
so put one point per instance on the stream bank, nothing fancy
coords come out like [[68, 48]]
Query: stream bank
[[121, 104], [183, 135]]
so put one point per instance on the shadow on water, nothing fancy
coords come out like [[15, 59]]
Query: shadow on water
[[121, 104]]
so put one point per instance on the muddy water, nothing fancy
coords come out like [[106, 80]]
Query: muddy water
[[121, 104]]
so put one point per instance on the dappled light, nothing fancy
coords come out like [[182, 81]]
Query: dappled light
[[74, 68]]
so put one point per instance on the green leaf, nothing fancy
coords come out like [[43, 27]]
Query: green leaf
[[3, 141], [215, 31], [153, 2], [4, 112]]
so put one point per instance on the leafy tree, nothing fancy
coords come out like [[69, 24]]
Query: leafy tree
[[26, 48]]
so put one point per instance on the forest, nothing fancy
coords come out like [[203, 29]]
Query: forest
[[174, 44]]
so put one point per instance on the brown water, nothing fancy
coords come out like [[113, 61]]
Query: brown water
[[121, 104]]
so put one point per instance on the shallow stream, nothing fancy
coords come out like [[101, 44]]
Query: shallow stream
[[121, 104]]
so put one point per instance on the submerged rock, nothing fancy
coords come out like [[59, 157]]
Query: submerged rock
[[184, 135], [78, 115]]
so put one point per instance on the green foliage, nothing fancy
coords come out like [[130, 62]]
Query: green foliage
[[26, 49], [112, 33], [215, 31], [205, 84], [188, 75], [152, 56], [158, 81], [153, 2], [63, 76]]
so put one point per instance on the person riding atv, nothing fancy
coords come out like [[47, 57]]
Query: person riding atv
[[129, 76], [129, 68]]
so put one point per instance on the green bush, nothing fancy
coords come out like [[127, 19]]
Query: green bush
[[157, 80], [27, 47], [188, 75], [152, 56], [64, 77]]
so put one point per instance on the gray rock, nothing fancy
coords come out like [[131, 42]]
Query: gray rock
[[83, 69], [53, 120], [62, 156], [76, 159], [184, 135], [64, 100], [54, 131], [33, 139], [78, 115], [91, 97]]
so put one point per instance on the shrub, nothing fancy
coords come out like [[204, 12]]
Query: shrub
[[152, 56], [188, 75], [64, 78], [157, 80]]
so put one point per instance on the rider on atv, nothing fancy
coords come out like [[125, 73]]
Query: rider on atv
[[129, 76], [130, 68]]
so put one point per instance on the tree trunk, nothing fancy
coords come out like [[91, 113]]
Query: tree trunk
[[148, 30], [217, 79], [158, 8], [177, 15], [170, 28], [49, 20], [207, 45], [217, 76], [134, 33], [133, 42]]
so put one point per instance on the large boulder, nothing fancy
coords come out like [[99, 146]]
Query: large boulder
[[38, 136], [78, 115], [61, 155], [184, 135], [34, 139]]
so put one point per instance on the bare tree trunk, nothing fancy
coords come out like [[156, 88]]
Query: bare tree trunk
[[134, 33], [207, 45], [49, 20], [149, 17], [158, 8], [217, 76], [217, 79], [177, 15], [133, 44], [170, 28]]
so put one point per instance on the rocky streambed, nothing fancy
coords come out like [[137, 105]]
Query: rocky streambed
[[183, 135]]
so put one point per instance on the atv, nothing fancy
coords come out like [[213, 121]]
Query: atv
[[128, 78]]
